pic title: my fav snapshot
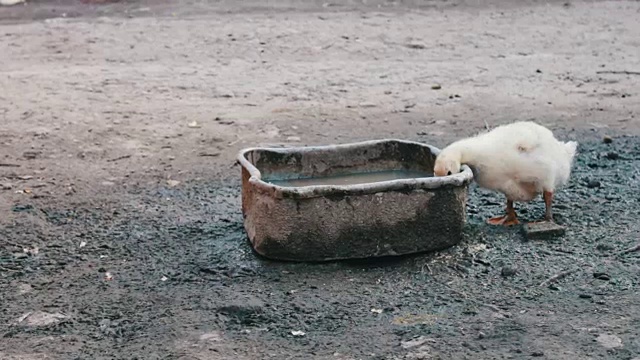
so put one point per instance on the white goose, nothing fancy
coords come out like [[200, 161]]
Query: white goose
[[520, 160]]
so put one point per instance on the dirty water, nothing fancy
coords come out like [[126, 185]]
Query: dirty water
[[352, 179], [184, 284]]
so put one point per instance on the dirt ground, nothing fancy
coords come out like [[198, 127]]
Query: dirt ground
[[121, 235]]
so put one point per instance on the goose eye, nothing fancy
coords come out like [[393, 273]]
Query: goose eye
[[449, 173]]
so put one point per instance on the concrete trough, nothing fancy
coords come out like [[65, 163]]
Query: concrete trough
[[287, 218]]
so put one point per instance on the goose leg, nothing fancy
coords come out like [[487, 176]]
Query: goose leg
[[548, 198], [508, 219], [548, 213]]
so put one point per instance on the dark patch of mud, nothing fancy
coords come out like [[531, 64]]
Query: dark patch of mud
[[185, 283]]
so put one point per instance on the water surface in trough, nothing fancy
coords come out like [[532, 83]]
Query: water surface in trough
[[353, 179]]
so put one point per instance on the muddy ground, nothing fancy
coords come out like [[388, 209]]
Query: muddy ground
[[121, 231]]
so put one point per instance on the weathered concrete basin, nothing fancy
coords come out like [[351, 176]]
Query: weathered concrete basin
[[329, 222]]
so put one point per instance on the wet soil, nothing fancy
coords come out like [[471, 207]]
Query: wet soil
[[185, 284], [120, 228]]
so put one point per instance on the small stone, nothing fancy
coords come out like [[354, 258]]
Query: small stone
[[416, 46], [30, 155], [6, 186], [40, 318], [173, 183], [470, 311], [294, 138], [414, 342], [612, 155], [601, 276], [538, 71], [211, 336], [592, 184], [367, 105], [508, 271], [609, 341], [436, 87], [468, 346], [537, 354], [607, 139], [242, 307], [31, 251], [604, 247], [228, 94], [585, 296], [224, 122], [543, 230], [22, 208], [298, 333]]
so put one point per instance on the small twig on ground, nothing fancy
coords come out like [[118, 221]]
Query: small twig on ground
[[428, 268], [457, 292], [564, 251], [566, 273], [479, 303], [486, 125], [119, 158], [9, 165], [630, 250], [559, 276], [492, 307], [618, 72], [209, 154], [237, 140]]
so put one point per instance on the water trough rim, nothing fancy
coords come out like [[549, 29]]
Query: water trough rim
[[457, 180]]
